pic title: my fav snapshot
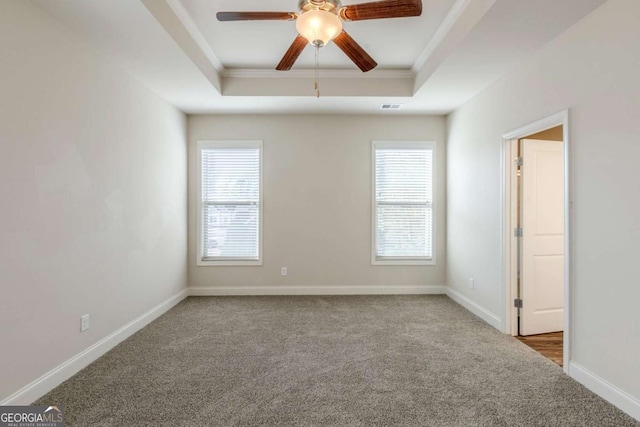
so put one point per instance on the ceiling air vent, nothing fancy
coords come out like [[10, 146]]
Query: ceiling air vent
[[391, 106]]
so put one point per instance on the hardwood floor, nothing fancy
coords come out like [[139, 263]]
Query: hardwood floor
[[549, 345]]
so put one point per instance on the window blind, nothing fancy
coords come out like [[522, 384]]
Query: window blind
[[403, 203], [230, 204]]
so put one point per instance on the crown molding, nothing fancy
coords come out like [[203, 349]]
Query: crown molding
[[183, 15], [305, 74], [438, 37]]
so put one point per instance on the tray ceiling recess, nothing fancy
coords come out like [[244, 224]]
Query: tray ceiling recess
[[431, 56]]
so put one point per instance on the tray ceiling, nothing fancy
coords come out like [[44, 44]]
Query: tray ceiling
[[432, 64]]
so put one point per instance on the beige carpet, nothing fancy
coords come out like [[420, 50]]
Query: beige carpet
[[339, 361]]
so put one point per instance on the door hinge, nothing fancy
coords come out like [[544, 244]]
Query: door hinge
[[517, 232], [517, 303], [519, 161]]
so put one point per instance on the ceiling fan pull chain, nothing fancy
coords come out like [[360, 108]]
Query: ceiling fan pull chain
[[317, 82]]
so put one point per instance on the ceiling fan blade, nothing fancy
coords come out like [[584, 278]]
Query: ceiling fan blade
[[381, 9], [292, 54], [256, 16], [355, 52]]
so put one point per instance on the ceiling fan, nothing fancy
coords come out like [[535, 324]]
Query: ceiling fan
[[320, 21]]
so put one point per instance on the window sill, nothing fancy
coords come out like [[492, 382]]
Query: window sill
[[403, 262], [228, 263]]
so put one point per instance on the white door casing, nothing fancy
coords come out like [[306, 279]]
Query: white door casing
[[542, 262]]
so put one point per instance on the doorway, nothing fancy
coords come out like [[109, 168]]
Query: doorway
[[536, 236]]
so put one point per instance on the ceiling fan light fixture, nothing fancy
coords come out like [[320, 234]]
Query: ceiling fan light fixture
[[318, 26]]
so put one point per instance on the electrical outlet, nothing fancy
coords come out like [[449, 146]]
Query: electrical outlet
[[472, 283], [283, 271], [84, 323]]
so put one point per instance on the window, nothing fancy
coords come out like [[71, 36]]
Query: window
[[230, 203], [403, 202]]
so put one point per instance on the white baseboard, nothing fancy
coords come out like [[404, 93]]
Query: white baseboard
[[315, 290], [47, 382], [475, 308], [605, 389]]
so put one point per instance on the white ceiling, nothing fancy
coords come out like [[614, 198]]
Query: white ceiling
[[431, 64]]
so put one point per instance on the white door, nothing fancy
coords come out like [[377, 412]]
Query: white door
[[542, 210]]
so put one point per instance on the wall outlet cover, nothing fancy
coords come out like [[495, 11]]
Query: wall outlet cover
[[84, 323]]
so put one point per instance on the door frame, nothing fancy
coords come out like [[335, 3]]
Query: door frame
[[509, 243]]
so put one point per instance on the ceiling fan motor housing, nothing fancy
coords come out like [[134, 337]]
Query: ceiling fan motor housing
[[328, 5]]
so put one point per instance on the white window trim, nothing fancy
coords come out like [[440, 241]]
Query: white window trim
[[403, 144], [203, 145]]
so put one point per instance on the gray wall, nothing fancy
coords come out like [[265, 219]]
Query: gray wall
[[93, 190], [593, 70], [317, 200]]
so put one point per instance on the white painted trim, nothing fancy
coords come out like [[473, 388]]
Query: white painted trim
[[475, 308], [438, 37], [402, 261], [605, 389], [560, 118], [187, 21], [509, 247], [549, 122], [505, 203], [308, 74], [568, 239], [47, 382], [316, 290]]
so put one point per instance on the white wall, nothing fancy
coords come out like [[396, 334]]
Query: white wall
[[317, 200], [592, 69], [93, 196]]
